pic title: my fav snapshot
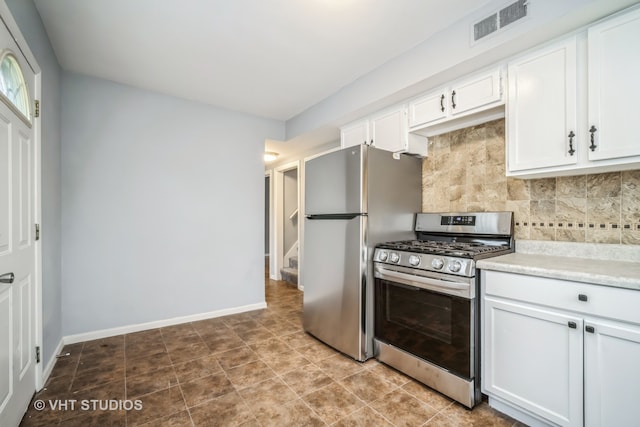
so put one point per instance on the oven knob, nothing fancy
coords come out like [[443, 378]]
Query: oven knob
[[414, 260], [394, 257], [455, 266], [383, 255], [437, 263]]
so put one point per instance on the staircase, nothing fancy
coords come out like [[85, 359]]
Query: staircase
[[290, 274]]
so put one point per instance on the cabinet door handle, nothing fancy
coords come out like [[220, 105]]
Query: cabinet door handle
[[571, 150], [593, 145], [590, 329], [573, 325], [442, 103], [453, 99], [583, 297], [371, 143]]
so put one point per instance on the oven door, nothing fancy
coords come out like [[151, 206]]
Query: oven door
[[428, 318]]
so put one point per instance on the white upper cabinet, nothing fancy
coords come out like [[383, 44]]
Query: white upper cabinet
[[386, 130], [541, 108], [389, 129], [570, 105], [614, 90], [428, 109], [402, 128], [476, 93], [356, 133], [464, 97]]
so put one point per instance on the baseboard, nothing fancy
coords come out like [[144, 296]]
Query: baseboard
[[105, 333], [46, 372]]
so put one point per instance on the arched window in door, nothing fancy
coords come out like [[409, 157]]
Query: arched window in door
[[13, 86]]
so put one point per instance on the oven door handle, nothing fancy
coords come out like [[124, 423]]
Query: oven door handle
[[464, 290]]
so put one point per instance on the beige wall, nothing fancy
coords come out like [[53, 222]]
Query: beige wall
[[465, 171]]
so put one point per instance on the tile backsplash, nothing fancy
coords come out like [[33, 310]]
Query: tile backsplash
[[465, 171]]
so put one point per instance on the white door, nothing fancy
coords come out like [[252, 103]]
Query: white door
[[541, 109], [478, 91], [611, 373], [532, 357], [614, 66], [17, 243], [428, 108], [389, 129], [355, 134]]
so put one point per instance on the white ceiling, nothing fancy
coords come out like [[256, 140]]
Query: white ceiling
[[270, 58]]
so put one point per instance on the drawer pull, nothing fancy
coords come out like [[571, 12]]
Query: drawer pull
[[590, 329], [583, 297], [571, 150], [573, 325], [593, 145]]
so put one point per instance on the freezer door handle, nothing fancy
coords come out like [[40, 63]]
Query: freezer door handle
[[345, 216]]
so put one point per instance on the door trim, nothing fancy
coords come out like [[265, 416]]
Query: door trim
[[276, 249], [12, 26]]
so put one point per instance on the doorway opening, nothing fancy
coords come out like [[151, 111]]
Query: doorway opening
[[284, 232]]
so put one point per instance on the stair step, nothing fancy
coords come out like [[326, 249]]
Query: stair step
[[289, 275], [293, 262]]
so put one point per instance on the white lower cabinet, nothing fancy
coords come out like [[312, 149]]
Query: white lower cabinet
[[553, 353], [534, 360], [611, 373]]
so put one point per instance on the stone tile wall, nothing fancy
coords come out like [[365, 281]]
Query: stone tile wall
[[465, 171]]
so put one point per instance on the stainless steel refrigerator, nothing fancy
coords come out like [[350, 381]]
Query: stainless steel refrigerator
[[355, 198]]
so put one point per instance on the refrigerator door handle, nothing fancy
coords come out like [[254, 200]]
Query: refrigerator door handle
[[345, 216]]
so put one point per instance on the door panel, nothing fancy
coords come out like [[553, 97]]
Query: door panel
[[6, 347], [355, 134], [25, 189], [390, 130], [430, 108], [541, 109], [334, 282], [24, 342], [533, 358], [612, 376], [613, 89], [333, 182]]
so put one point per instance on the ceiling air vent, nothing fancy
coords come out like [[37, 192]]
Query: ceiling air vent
[[513, 12], [485, 27], [498, 20]]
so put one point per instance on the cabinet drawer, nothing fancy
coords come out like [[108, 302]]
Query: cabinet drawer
[[603, 301]]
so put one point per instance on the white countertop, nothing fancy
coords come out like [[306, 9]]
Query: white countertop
[[601, 264]]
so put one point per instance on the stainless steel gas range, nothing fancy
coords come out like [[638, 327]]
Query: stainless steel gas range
[[427, 313]]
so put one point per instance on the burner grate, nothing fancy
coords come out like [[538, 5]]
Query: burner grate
[[437, 247]]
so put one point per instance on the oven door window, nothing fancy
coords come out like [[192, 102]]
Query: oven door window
[[433, 326]]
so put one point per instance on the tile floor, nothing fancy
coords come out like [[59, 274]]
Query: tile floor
[[251, 369]]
